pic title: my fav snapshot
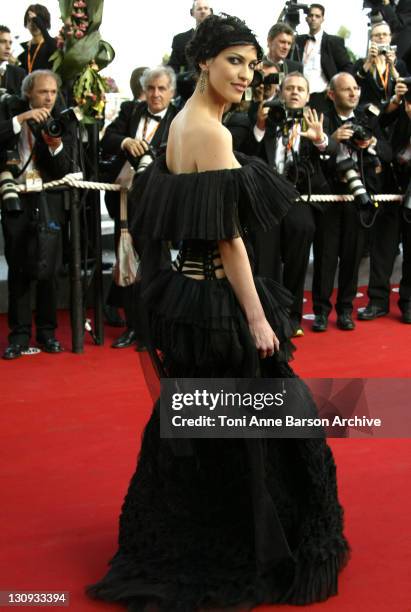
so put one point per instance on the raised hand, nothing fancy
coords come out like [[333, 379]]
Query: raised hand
[[314, 123]]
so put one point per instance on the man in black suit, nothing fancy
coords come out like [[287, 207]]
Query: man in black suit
[[323, 56], [200, 9], [339, 236], [393, 222], [11, 77], [280, 39], [397, 13], [138, 125], [48, 158], [293, 147]]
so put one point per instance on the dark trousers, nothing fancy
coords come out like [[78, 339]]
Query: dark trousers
[[297, 233], [384, 240], [405, 284], [16, 228], [338, 239], [283, 253]]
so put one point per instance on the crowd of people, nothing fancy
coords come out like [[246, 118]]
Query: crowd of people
[[328, 124]]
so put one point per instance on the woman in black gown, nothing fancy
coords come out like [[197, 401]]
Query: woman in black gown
[[217, 523]]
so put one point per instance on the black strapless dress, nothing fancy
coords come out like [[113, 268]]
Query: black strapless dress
[[227, 522]]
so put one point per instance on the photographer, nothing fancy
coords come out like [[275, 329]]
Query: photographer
[[379, 71], [40, 48], [30, 149], [359, 167], [140, 127], [397, 13], [11, 76], [280, 39], [290, 137], [394, 223]]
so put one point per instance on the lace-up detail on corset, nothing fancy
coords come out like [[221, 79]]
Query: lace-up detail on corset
[[199, 259]]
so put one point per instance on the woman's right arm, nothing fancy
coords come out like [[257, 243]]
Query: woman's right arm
[[238, 271], [216, 154]]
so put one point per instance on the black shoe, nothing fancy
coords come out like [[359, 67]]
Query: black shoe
[[320, 323], [406, 315], [127, 339], [372, 312], [112, 316], [51, 345], [13, 351], [345, 322]]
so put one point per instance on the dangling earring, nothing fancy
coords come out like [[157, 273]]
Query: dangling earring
[[203, 81]]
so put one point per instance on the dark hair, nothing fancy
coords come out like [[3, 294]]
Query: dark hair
[[317, 6], [217, 32], [41, 11], [4, 29], [280, 28]]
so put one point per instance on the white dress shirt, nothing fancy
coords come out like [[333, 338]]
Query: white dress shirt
[[313, 71]]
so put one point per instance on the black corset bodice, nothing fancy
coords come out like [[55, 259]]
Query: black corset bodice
[[199, 259]]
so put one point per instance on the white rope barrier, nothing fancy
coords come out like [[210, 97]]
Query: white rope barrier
[[76, 181]]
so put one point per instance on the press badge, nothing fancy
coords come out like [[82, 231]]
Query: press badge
[[33, 181]]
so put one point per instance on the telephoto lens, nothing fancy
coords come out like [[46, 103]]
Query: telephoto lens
[[8, 192]]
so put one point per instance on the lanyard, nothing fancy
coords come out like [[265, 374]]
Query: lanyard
[[292, 137], [30, 60], [149, 136], [384, 77]]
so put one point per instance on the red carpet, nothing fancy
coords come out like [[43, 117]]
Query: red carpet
[[70, 432]]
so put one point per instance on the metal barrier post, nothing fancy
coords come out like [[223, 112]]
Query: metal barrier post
[[77, 315]]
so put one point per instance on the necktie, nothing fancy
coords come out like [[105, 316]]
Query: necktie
[[309, 37]]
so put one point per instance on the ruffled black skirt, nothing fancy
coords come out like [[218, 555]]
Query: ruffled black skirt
[[233, 521]]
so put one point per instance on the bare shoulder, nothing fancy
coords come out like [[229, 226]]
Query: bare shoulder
[[198, 145], [214, 147]]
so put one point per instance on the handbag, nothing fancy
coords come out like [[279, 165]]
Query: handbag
[[43, 242], [126, 269]]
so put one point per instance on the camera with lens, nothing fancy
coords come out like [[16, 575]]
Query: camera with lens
[[364, 126], [291, 12], [279, 114], [274, 78], [349, 173], [384, 49], [140, 163], [10, 161], [54, 127]]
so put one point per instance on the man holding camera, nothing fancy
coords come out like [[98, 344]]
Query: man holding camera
[[290, 137], [357, 168], [393, 221], [379, 71], [139, 131], [32, 155], [397, 13], [11, 76]]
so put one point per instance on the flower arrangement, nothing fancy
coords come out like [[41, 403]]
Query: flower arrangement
[[81, 54]]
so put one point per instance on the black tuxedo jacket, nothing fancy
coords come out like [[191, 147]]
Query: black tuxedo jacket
[[266, 149], [373, 92], [12, 79], [399, 19], [125, 125], [374, 182], [334, 55], [50, 167], [178, 54]]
